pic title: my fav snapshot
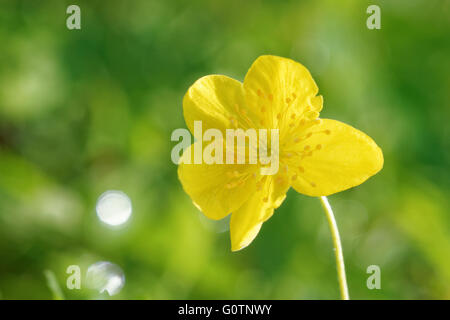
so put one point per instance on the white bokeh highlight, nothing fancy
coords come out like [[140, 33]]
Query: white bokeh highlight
[[105, 276], [114, 207]]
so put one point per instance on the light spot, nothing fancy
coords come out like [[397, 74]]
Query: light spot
[[114, 207], [105, 276]]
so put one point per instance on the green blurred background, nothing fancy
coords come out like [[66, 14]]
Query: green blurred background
[[90, 110]]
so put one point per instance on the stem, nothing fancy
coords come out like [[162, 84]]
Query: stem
[[337, 248], [53, 285]]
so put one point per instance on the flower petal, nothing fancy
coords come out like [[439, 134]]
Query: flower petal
[[332, 157], [216, 189], [281, 90], [217, 101], [247, 221]]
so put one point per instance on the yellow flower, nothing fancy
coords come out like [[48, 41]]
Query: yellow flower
[[317, 157]]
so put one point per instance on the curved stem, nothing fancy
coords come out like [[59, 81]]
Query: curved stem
[[337, 248]]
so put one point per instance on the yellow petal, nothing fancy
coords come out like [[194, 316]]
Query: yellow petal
[[216, 189], [218, 101], [281, 90], [332, 157], [247, 221]]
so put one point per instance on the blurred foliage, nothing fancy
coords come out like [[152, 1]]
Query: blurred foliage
[[85, 111]]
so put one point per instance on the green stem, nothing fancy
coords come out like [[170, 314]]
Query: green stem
[[337, 248], [53, 285]]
